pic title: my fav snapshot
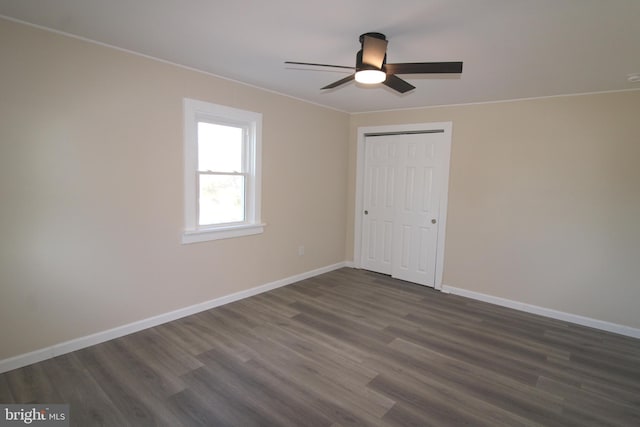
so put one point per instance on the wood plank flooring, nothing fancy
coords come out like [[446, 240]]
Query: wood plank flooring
[[347, 348]]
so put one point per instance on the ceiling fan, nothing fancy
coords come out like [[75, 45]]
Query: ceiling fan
[[371, 66]]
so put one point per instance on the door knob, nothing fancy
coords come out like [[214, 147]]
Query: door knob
[[433, 221], [366, 212]]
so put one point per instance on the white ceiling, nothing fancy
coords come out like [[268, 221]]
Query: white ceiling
[[511, 48]]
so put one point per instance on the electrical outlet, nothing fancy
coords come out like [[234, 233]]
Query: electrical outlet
[[300, 250]]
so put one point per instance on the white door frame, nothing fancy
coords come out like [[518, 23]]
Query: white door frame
[[446, 127]]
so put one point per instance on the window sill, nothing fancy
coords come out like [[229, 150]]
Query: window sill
[[207, 234]]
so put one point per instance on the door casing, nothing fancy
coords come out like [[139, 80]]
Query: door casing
[[362, 132]]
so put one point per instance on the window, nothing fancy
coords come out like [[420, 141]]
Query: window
[[222, 172]]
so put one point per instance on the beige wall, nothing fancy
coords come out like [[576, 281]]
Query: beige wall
[[544, 201], [91, 190]]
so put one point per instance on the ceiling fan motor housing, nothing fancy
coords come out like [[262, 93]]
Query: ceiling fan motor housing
[[360, 65], [374, 35]]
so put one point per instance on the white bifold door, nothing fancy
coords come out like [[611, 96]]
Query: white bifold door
[[402, 185]]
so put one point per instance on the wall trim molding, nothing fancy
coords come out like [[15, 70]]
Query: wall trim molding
[[59, 349], [546, 312]]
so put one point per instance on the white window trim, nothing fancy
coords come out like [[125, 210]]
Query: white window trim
[[194, 111]]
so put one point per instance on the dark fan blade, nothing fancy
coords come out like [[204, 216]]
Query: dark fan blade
[[396, 83], [373, 51], [424, 68], [319, 65], [340, 82]]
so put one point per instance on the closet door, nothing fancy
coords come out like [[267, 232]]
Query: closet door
[[401, 208], [379, 201], [416, 212]]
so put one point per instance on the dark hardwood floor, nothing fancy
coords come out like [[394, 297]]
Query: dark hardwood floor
[[346, 348]]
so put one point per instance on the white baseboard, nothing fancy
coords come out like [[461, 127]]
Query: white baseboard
[[97, 338], [547, 312]]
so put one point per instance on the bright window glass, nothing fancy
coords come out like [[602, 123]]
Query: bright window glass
[[221, 199], [221, 174], [220, 148]]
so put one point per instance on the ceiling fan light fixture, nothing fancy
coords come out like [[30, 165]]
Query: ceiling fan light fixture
[[372, 67], [370, 77]]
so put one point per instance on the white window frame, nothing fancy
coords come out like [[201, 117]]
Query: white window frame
[[196, 111]]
